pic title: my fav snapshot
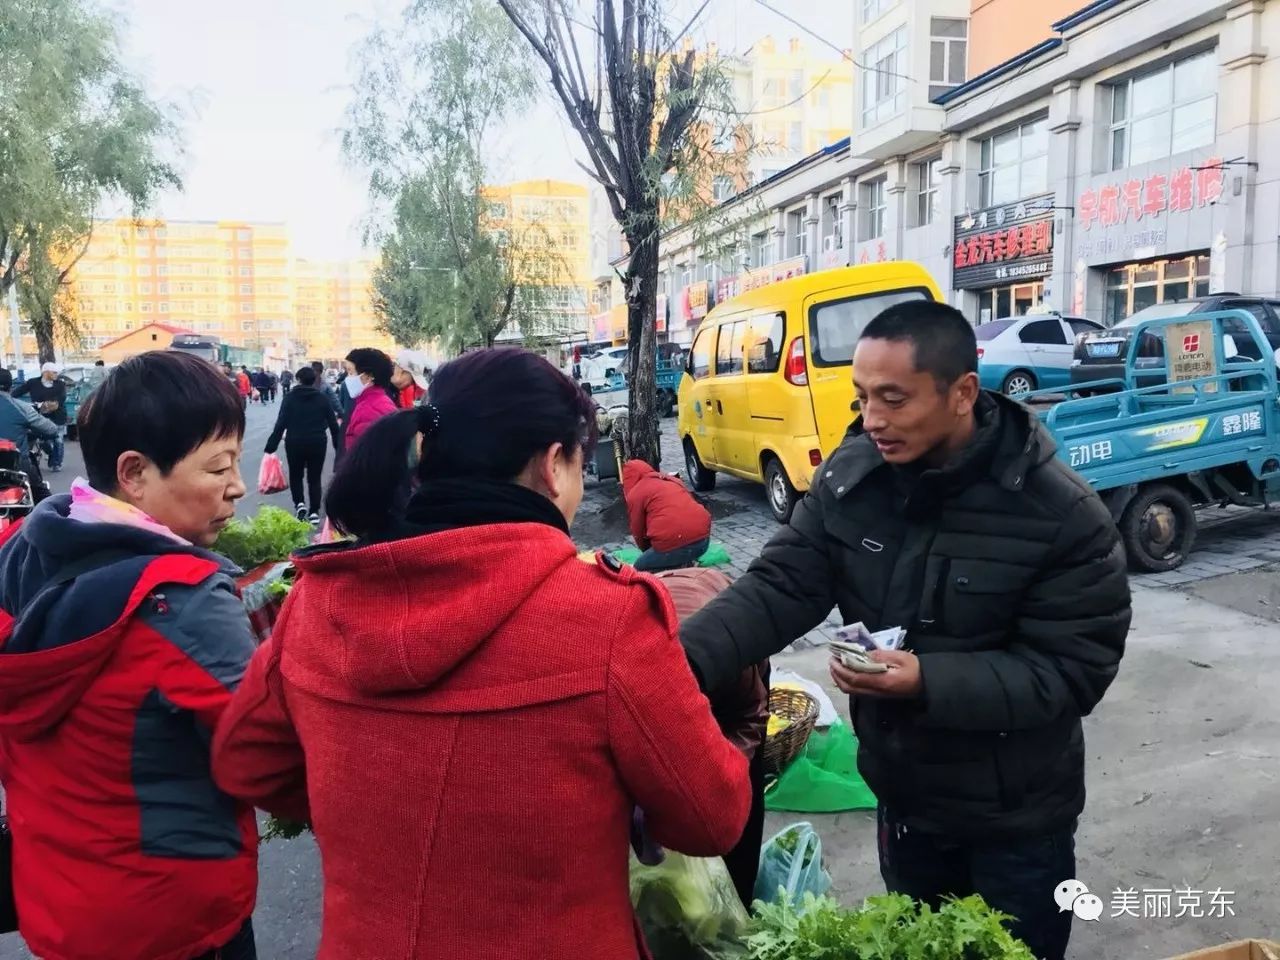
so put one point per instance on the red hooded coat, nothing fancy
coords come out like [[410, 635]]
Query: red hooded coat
[[662, 512], [471, 744]]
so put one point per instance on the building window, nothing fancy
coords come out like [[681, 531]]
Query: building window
[[797, 239], [795, 137], [1165, 112], [1015, 164], [144, 289], [162, 287], [246, 288], [1138, 285], [722, 189], [883, 87], [143, 270], [760, 250], [243, 234], [873, 207], [948, 54], [246, 271], [875, 9], [832, 223], [163, 307], [161, 233], [144, 307], [246, 308], [245, 253], [927, 179]]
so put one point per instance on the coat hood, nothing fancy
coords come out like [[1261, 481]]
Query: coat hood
[[633, 471], [397, 617], [63, 634]]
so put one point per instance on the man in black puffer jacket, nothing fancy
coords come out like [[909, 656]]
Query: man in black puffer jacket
[[305, 416], [945, 512]]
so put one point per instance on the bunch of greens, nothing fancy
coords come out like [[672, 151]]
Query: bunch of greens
[[688, 908], [269, 536], [892, 927], [788, 842]]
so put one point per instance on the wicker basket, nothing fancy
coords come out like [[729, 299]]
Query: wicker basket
[[801, 710]]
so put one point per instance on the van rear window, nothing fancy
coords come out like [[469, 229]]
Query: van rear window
[[835, 327]]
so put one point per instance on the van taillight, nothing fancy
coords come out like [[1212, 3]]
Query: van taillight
[[796, 372], [815, 458]]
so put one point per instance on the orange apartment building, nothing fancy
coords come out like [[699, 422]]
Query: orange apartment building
[[1000, 29]]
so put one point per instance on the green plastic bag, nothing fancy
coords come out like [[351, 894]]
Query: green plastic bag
[[716, 555], [824, 778]]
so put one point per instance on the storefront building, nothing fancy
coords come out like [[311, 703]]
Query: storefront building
[[1002, 255], [1155, 151]]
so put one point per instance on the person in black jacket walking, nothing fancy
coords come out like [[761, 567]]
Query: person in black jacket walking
[[305, 416], [944, 511]]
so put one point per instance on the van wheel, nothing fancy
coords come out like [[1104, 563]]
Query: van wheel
[[1018, 383], [700, 478], [782, 495], [1158, 528]]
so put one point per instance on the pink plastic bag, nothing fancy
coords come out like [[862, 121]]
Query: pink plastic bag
[[271, 475]]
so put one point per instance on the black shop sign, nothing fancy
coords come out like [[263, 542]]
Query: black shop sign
[[1005, 244]]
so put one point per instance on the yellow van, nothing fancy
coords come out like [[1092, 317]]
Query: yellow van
[[769, 385]]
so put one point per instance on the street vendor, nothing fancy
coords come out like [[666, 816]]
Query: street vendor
[[671, 528], [945, 512]]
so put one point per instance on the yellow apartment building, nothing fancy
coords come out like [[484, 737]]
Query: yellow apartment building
[[558, 214], [333, 308]]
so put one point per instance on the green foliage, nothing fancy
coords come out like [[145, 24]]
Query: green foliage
[[77, 131], [429, 93], [892, 927], [269, 536], [279, 828]]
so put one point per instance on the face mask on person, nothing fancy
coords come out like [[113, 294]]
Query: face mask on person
[[355, 386]]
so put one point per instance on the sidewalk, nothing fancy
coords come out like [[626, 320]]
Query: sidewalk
[[1182, 779]]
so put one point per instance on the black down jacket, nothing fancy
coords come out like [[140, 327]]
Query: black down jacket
[[1009, 575], [305, 416]]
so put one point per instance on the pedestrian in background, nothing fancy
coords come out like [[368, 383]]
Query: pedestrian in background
[[946, 512], [275, 385], [262, 385], [453, 737], [322, 381], [245, 383], [411, 380], [668, 524], [19, 422], [368, 384], [305, 418], [48, 394], [126, 640], [286, 382]]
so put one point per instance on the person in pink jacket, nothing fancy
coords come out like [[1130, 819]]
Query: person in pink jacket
[[369, 385]]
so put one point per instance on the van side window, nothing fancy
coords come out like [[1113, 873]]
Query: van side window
[[764, 343], [729, 350], [836, 326], [700, 355]]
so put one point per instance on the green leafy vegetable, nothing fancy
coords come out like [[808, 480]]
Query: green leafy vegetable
[[788, 842], [269, 536], [281, 829], [892, 927]]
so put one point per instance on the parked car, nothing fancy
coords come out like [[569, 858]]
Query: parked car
[[768, 390], [1022, 354], [1101, 356]]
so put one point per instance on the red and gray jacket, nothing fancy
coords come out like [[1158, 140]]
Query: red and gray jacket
[[121, 650]]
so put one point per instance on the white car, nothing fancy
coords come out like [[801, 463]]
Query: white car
[[1033, 352]]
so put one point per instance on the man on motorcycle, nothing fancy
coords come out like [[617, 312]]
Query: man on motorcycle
[[19, 422]]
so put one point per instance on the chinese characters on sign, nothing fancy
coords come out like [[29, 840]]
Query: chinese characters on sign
[[762, 277], [1088, 453], [1130, 201], [1235, 424], [1004, 243], [1172, 904], [1191, 354]]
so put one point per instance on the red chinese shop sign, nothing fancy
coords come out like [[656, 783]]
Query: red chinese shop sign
[[1005, 244], [1131, 200]]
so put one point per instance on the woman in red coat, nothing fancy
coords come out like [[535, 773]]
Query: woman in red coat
[[467, 713], [671, 527]]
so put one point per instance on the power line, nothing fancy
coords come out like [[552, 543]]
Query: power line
[[823, 40]]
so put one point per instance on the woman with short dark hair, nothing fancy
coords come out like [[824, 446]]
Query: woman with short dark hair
[[123, 639], [452, 734], [368, 384]]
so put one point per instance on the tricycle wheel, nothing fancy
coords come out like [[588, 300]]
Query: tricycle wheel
[[1159, 528]]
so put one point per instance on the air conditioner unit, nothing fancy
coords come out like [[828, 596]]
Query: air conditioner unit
[[828, 244]]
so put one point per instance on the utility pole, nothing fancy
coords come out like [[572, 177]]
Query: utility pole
[[15, 327]]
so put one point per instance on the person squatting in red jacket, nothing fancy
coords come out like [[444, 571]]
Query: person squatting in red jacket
[[123, 637], [468, 755], [669, 526]]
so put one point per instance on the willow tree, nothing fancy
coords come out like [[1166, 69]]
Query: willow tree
[[639, 102]]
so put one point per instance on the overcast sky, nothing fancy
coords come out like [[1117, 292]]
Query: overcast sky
[[263, 84]]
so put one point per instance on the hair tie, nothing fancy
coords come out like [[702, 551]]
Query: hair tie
[[428, 420]]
